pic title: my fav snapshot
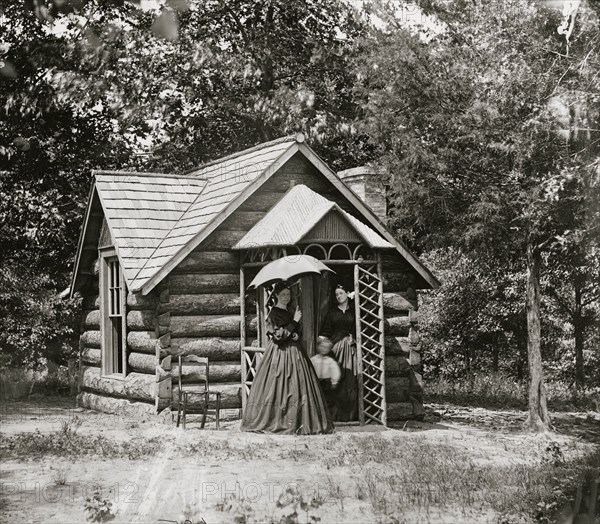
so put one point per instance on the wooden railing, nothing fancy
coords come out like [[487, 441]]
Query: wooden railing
[[251, 357]]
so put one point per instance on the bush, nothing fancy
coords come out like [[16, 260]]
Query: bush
[[36, 324]]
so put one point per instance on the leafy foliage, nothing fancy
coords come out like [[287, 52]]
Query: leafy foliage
[[466, 118], [107, 85]]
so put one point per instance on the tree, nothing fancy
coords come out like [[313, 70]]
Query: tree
[[47, 147], [459, 113], [109, 86]]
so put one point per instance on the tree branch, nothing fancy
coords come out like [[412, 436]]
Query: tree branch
[[562, 304]]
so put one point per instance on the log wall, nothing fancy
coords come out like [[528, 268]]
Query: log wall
[[134, 395], [205, 289], [196, 311], [404, 388]]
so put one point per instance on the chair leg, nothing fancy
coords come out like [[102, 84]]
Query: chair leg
[[179, 409], [205, 411], [184, 408]]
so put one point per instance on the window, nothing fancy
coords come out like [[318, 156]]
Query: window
[[112, 303]]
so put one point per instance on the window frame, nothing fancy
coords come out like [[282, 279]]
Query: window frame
[[107, 257]]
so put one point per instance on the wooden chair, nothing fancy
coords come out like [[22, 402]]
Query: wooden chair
[[199, 388]]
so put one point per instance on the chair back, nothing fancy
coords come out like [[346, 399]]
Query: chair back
[[194, 370]]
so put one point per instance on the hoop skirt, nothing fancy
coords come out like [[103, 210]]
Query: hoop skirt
[[285, 396]]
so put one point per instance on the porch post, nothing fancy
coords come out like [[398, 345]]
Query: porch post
[[382, 329], [359, 364], [243, 334]]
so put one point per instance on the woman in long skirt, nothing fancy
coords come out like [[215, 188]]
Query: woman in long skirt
[[286, 396], [340, 327]]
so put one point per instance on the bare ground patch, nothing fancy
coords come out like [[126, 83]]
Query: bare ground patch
[[456, 466]]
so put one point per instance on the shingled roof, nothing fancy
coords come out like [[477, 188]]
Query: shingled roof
[[156, 220], [292, 218], [140, 210], [225, 180]]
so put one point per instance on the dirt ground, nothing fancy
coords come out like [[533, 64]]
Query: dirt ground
[[242, 477]]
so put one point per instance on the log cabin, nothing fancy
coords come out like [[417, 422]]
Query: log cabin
[[164, 261]]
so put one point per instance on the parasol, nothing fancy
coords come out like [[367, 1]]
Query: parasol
[[288, 267]]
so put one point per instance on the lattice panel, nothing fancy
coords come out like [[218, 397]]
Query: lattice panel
[[369, 301], [252, 359]]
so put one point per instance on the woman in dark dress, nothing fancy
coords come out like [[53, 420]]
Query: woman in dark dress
[[340, 327], [286, 396]]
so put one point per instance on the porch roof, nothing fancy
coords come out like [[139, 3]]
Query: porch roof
[[295, 215]]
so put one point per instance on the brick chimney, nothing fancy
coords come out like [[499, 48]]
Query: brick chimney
[[366, 183]]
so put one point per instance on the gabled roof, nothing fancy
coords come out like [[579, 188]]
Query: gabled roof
[[226, 180], [293, 217], [157, 220], [140, 209]]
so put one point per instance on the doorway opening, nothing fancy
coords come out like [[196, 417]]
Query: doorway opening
[[356, 267], [339, 325]]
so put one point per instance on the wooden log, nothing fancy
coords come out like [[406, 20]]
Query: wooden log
[[116, 406], [208, 262], [221, 240], [231, 394], [205, 304], [417, 395], [399, 411], [416, 382], [165, 363], [397, 346], [91, 302], [209, 326], [262, 200], [164, 342], [415, 358], [413, 336], [418, 408], [204, 283], [134, 386], [142, 362], [91, 356], [164, 392], [92, 339], [397, 389], [396, 302], [396, 365], [218, 371], [141, 320], [142, 341], [213, 348], [137, 301], [242, 220], [164, 296], [91, 319], [205, 326], [163, 320], [397, 325], [301, 175]]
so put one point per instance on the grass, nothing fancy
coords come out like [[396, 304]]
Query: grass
[[499, 390], [39, 445], [425, 475], [19, 383], [402, 477], [407, 478], [67, 442]]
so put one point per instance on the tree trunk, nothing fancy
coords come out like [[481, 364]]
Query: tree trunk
[[578, 328], [495, 355], [538, 419]]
